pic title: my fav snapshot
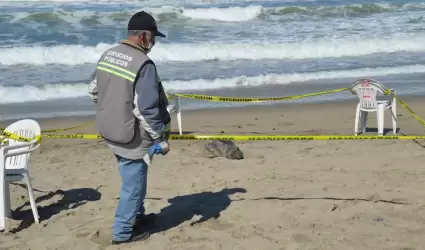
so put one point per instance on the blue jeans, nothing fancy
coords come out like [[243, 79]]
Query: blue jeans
[[133, 192]]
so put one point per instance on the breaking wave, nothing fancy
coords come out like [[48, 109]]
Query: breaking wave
[[60, 91]]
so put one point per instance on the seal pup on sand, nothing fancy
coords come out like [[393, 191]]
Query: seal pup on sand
[[222, 148]]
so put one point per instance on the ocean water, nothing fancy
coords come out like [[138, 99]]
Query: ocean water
[[48, 49]]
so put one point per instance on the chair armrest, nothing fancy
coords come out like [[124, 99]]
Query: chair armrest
[[21, 145], [19, 151]]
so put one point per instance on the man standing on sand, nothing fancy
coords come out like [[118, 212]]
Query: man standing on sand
[[133, 119]]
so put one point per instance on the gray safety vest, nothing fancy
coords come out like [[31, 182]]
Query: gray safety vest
[[116, 73]]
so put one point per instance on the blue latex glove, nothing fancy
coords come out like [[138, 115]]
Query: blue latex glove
[[155, 149]]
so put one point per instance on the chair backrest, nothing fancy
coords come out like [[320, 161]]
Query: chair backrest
[[367, 90], [28, 128]]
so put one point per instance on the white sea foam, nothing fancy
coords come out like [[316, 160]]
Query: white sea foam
[[260, 80], [60, 91], [79, 54], [146, 2], [231, 14], [222, 14]]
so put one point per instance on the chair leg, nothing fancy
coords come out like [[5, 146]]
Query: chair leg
[[7, 206], [380, 118], [394, 117], [363, 116], [31, 197], [179, 115], [356, 121], [2, 205]]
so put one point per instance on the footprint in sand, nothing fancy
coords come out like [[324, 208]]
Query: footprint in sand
[[100, 237]]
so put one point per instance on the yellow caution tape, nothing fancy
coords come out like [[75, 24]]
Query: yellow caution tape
[[404, 105], [237, 137], [289, 137], [250, 137], [214, 99], [248, 99], [230, 137], [198, 97], [73, 136], [18, 137], [66, 129]]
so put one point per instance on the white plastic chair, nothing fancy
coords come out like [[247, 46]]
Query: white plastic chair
[[14, 165], [176, 109], [372, 99]]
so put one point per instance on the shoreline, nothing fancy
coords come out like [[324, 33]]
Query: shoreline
[[406, 85]]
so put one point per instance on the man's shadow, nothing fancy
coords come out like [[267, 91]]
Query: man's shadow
[[183, 208], [70, 199]]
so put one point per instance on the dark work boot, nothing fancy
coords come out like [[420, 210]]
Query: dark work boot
[[135, 236], [144, 222]]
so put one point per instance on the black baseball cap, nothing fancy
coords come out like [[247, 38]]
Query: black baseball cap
[[144, 21]]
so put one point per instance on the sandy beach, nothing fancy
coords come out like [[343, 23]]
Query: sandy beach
[[283, 195]]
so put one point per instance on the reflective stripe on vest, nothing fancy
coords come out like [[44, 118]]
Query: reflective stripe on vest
[[118, 71]]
